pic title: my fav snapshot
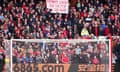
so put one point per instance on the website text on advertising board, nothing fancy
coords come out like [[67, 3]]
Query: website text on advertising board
[[36, 68]]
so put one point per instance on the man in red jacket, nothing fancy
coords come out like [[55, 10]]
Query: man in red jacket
[[107, 30], [65, 58], [95, 60]]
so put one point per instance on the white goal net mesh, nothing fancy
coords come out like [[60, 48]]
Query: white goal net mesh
[[61, 51]]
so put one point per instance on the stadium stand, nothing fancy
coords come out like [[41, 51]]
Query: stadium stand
[[62, 52], [31, 19]]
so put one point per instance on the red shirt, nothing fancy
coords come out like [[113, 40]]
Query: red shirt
[[100, 46], [112, 17], [21, 56], [95, 61], [5, 26], [84, 14], [18, 32], [36, 53], [63, 44], [96, 31], [65, 33], [15, 53], [107, 31], [9, 7], [27, 11], [43, 28], [1, 50], [65, 59], [24, 7], [19, 15]]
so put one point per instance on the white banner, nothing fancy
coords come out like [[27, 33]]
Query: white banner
[[58, 6]]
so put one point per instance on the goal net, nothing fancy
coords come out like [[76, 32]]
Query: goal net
[[81, 54]]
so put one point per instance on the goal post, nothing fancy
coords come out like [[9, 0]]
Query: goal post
[[94, 54]]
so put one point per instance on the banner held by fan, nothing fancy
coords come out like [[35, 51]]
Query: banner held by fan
[[58, 6]]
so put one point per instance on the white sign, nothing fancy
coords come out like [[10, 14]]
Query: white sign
[[58, 6]]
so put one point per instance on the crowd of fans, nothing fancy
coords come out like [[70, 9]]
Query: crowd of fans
[[63, 52], [28, 19], [31, 19], [4, 55]]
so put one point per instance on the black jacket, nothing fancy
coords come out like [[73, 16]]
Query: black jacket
[[116, 51], [2, 62]]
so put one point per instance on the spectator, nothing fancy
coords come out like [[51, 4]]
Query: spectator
[[84, 32], [51, 58], [75, 59], [2, 61], [31, 19], [77, 50], [95, 60], [65, 58], [116, 51], [83, 58], [38, 58], [24, 59], [15, 54], [107, 30]]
